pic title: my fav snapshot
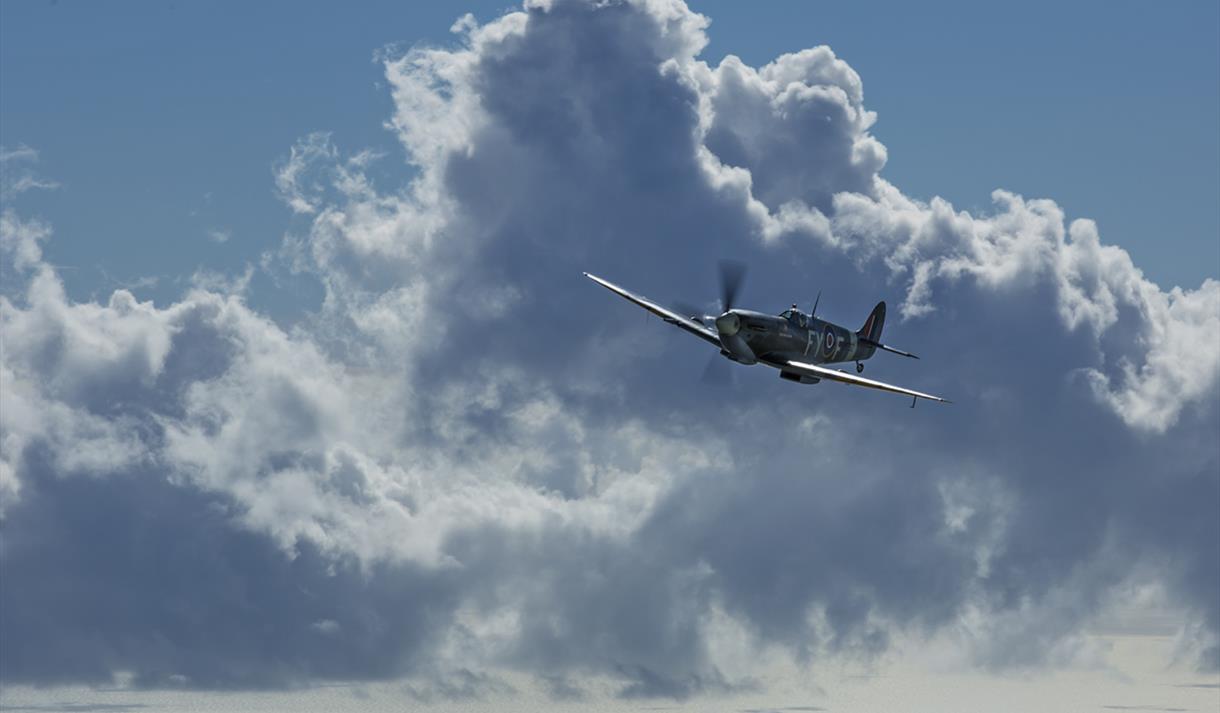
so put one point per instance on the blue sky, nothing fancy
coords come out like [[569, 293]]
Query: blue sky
[[304, 400], [1110, 108]]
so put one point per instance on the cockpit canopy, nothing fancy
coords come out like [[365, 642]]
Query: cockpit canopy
[[794, 316]]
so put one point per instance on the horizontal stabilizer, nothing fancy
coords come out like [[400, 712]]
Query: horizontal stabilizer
[[879, 345]]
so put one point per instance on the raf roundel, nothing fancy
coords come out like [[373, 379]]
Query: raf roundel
[[830, 341]]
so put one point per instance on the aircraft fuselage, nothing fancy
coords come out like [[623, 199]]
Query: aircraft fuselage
[[789, 336]]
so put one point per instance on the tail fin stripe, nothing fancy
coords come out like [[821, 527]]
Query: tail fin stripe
[[876, 321]]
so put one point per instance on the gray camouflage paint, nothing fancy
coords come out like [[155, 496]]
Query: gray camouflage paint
[[794, 335]]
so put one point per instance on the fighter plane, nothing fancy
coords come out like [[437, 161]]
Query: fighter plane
[[797, 344]]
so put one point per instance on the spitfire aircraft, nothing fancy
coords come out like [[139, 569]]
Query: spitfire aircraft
[[797, 344]]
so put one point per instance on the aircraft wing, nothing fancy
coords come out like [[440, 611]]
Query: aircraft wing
[[843, 377], [689, 324]]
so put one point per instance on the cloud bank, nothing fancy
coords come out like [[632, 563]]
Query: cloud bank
[[468, 459]]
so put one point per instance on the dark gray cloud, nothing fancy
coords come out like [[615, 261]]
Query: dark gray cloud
[[134, 573], [471, 458]]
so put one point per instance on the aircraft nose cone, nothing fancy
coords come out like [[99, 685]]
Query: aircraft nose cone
[[728, 324]]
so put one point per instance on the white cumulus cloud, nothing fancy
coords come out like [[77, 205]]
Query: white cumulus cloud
[[471, 458]]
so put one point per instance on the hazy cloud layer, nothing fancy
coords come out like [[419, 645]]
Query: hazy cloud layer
[[471, 458]]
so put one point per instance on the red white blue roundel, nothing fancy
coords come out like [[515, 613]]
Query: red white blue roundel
[[830, 342]]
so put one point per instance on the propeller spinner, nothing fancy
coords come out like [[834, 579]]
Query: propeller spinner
[[728, 324]]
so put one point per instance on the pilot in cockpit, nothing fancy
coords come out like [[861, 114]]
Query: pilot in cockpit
[[794, 316]]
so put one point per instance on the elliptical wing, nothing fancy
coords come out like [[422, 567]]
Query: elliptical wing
[[690, 324], [843, 377]]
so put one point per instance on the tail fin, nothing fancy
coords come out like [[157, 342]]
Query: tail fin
[[872, 326], [870, 334]]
